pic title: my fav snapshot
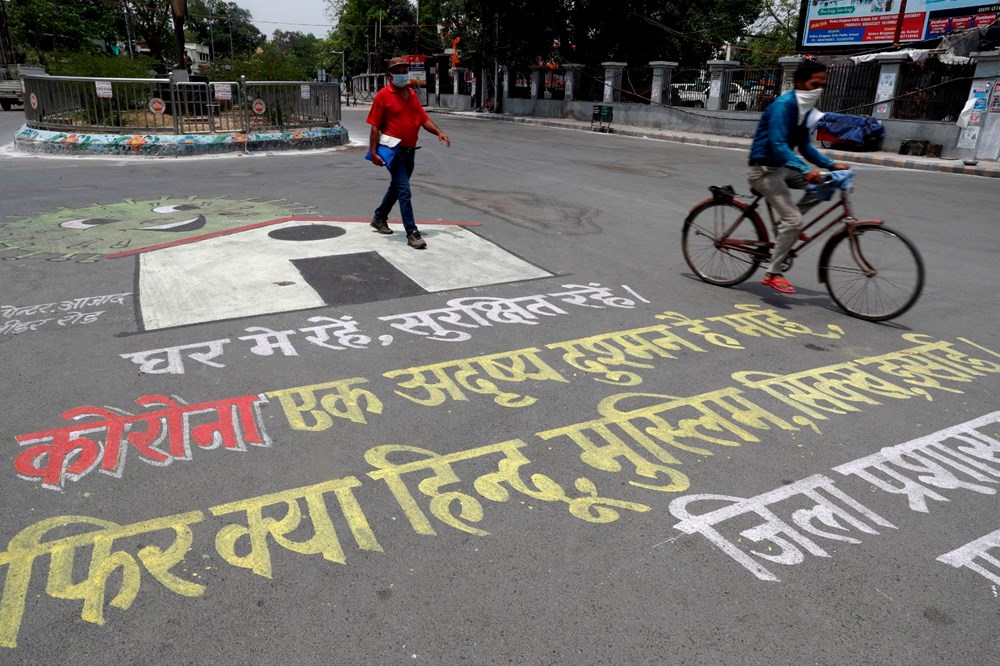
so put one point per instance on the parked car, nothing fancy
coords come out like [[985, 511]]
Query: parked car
[[696, 95], [691, 94]]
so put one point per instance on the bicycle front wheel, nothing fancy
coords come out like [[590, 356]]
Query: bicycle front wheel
[[876, 275], [718, 257]]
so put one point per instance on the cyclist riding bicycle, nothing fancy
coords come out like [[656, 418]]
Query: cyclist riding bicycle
[[775, 168]]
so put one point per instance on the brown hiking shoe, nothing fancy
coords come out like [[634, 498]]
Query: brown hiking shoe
[[415, 241], [380, 225]]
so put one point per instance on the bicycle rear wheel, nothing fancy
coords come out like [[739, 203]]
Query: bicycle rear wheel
[[877, 276], [720, 259]]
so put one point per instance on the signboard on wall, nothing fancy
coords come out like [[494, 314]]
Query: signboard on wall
[[418, 69], [844, 25]]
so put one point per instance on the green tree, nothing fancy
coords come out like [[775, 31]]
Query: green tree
[[370, 32], [151, 24], [773, 35], [44, 25], [225, 27], [266, 63], [303, 49], [84, 63], [524, 32]]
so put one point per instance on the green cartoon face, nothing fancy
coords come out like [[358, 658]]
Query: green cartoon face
[[86, 235]]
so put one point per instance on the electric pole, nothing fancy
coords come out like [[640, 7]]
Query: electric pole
[[179, 10], [899, 23]]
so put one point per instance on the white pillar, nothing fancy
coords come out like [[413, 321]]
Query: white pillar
[[981, 139], [456, 79], [536, 81], [718, 91], [788, 66], [888, 82], [613, 80], [572, 78], [662, 76]]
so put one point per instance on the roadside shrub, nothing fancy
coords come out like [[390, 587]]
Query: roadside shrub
[[67, 63]]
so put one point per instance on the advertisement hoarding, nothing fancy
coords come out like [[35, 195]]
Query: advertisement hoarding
[[845, 25], [418, 69]]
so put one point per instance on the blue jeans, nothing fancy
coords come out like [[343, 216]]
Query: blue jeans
[[399, 190]]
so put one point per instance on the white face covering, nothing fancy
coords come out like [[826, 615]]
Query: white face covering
[[401, 80], [807, 100]]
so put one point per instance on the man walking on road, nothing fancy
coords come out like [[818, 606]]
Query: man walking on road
[[774, 166], [396, 117]]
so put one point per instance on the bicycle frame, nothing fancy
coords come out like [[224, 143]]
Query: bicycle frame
[[845, 218]]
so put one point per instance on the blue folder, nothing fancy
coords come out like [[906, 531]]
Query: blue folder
[[385, 152]]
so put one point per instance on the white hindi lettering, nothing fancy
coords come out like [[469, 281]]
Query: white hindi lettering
[[935, 465], [776, 540], [64, 313], [963, 457], [967, 557]]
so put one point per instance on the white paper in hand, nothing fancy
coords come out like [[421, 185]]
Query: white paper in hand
[[390, 141]]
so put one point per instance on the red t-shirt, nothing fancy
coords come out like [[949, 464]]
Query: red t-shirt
[[398, 116]]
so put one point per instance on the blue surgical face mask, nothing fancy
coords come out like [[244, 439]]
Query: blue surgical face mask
[[401, 80]]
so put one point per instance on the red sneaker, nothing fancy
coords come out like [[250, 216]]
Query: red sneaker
[[778, 283]]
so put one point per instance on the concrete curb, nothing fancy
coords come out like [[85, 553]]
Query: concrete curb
[[35, 141], [991, 170]]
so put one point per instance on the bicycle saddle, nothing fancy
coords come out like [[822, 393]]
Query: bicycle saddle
[[722, 192]]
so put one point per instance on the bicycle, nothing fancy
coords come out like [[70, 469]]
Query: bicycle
[[871, 271]]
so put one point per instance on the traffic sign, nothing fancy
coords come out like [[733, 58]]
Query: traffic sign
[[259, 107], [157, 106], [33, 100]]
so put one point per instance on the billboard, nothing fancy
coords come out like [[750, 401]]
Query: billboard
[[418, 69], [846, 25]]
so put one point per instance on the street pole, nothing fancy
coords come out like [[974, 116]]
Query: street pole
[[179, 9], [211, 31], [343, 76], [899, 23], [128, 28]]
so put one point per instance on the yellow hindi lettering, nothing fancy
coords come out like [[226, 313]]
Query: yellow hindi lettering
[[442, 381], [341, 399], [930, 363], [252, 538], [469, 508], [599, 353], [754, 321], [459, 509], [697, 327], [645, 420], [29, 544]]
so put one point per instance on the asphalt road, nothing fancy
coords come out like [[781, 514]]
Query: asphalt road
[[522, 527]]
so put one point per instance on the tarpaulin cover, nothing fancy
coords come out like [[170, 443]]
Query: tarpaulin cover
[[847, 127]]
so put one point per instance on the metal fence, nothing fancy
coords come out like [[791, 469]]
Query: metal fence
[[520, 85], [365, 86], [850, 87], [278, 105], [591, 87], [637, 84], [931, 90], [150, 106], [751, 88]]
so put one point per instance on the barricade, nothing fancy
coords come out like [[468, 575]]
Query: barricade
[[162, 106]]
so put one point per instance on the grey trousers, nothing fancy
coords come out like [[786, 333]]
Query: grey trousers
[[776, 184]]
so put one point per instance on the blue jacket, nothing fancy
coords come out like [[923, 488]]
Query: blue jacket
[[780, 132]]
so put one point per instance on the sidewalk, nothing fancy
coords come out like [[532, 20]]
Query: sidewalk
[[984, 169]]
